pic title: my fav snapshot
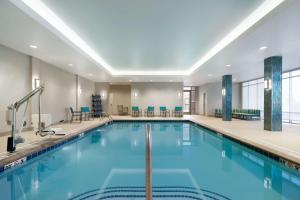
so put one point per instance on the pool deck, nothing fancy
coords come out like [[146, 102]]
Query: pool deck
[[285, 144], [34, 143]]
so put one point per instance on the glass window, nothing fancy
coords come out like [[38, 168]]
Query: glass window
[[253, 96], [286, 75], [245, 84], [295, 100], [286, 100], [245, 97], [260, 80], [253, 82], [260, 96], [295, 73]]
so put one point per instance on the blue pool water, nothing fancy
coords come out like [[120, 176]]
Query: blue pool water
[[188, 162]]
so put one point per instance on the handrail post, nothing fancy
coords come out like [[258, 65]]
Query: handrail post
[[148, 163]]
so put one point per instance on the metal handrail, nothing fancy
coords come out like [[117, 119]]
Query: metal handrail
[[13, 108], [148, 163]]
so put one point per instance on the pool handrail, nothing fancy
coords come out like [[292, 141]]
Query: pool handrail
[[148, 163]]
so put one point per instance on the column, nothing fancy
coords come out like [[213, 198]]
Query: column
[[227, 97], [273, 94]]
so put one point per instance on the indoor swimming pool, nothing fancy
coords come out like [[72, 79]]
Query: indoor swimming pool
[[188, 162]]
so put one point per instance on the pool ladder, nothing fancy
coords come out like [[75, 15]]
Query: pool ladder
[[148, 163]]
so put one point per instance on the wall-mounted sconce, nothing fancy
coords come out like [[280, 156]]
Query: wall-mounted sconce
[[103, 95], [268, 84], [223, 92], [179, 94], [79, 91], [37, 83], [135, 94]]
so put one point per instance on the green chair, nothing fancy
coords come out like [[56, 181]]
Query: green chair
[[218, 112], [135, 111], [149, 112], [86, 112], [178, 111], [164, 112]]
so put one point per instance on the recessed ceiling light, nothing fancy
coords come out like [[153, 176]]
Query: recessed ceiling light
[[171, 80], [33, 46], [90, 74], [150, 80], [228, 65], [70, 64], [47, 14], [209, 74], [263, 48], [130, 80]]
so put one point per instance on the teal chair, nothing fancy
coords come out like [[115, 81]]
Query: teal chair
[[178, 111], [86, 112], [135, 111], [164, 112], [149, 112]]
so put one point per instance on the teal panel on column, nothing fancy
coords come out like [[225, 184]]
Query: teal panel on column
[[273, 94], [227, 97]]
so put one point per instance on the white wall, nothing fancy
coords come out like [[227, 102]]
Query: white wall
[[119, 95], [60, 90], [17, 74], [15, 78], [156, 94], [87, 90], [214, 97]]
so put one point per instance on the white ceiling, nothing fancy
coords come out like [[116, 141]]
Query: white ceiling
[[149, 35], [156, 35]]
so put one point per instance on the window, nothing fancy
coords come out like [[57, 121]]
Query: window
[[295, 100], [253, 96], [285, 98]]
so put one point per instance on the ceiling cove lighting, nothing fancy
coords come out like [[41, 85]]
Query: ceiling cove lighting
[[227, 65], [43, 11], [266, 7]]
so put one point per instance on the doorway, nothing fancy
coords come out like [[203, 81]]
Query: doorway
[[187, 102]]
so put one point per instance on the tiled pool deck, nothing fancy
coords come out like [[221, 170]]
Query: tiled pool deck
[[285, 144]]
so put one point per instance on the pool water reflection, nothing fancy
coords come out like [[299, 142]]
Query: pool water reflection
[[187, 161]]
